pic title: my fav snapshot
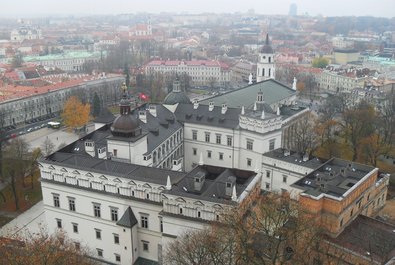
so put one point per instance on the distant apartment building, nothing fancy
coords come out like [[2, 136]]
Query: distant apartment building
[[379, 63], [21, 104], [242, 70], [202, 72], [336, 81], [345, 56], [340, 42], [25, 33], [67, 61]]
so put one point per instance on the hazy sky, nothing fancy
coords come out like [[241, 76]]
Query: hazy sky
[[19, 8]]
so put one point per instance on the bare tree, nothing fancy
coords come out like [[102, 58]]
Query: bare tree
[[47, 147], [16, 164], [265, 229]]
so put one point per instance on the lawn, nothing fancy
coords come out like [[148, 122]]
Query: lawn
[[4, 220], [26, 195]]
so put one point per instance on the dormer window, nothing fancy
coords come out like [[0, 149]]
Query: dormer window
[[228, 185]]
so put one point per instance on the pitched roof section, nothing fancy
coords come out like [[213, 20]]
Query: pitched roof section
[[202, 115], [273, 91], [114, 168], [105, 116], [128, 219]]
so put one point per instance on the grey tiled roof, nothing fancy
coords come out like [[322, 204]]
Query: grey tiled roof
[[159, 128], [294, 158], [273, 91], [124, 170], [105, 116], [202, 115], [214, 184], [128, 219], [334, 177]]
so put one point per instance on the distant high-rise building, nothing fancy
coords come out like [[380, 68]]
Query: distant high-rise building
[[293, 10]]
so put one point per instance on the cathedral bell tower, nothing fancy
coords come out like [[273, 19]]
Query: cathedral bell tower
[[265, 66]]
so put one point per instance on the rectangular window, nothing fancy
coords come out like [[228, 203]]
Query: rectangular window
[[72, 204], [56, 201], [114, 214], [145, 246], [209, 154], [221, 156], [117, 257], [96, 210], [249, 144], [218, 138], [116, 239], [161, 224], [249, 162], [285, 178], [59, 223], [229, 140], [272, 144], [75, 228], [98, 233], [144, 221], [194, 151], [207, 137], [115, 152], [99, 252], [268, 173], [194, 135], [267, 186]]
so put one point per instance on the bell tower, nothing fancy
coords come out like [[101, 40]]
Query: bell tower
[[265, 66]]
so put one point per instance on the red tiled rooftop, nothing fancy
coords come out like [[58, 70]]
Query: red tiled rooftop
[[10, 92]]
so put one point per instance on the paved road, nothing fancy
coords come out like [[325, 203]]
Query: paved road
[[57, 137]]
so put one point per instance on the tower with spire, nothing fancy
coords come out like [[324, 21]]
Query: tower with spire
[[265, 66]]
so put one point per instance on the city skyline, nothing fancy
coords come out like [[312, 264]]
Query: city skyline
[[24, 8]]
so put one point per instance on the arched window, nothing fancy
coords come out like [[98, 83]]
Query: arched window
[[154, 157]]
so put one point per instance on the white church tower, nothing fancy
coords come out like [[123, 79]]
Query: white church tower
[[265, 66]]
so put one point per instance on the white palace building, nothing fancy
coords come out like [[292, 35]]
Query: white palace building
[[138, 182]]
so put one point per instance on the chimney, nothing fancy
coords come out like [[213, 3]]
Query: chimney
[[143, 116], [168, 183], [278, 111], [152, 110], [294, 84], [287, 152], [242, 110], [195, 104], [230, 183], [210, 106], [234, 195], [198, 181], [90, 147], [263, 115], [305, 157], [201, 162], [224, 108]]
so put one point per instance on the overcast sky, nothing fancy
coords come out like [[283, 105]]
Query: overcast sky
[[25, 8]]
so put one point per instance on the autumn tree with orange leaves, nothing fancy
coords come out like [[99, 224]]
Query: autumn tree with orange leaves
[[41, 248], [75, 114]]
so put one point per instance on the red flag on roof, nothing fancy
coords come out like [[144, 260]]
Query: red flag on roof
[[144, 97]]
